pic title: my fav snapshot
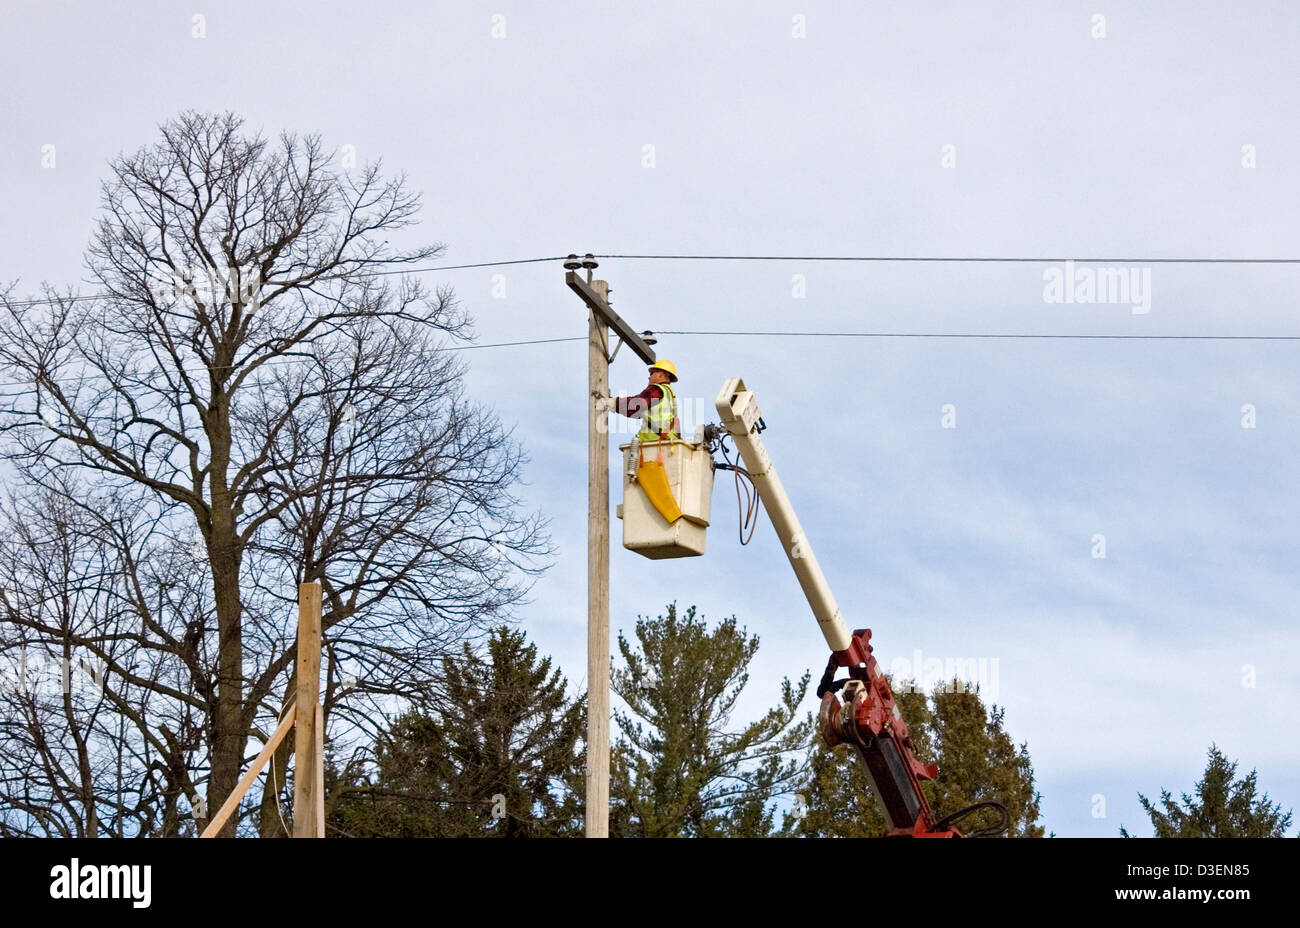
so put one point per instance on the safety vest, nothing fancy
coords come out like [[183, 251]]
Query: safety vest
[[659, 418]]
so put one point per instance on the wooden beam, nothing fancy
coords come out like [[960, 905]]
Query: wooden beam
[[306, 774], [598, 302], [232, 801]]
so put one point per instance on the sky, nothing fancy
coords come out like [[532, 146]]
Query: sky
[[957, 491]]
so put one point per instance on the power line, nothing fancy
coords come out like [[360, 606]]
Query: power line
[[461, 267], [1023, 335], [880, 259], [532, 341], [989, 335], [953, 259], [372, 273]]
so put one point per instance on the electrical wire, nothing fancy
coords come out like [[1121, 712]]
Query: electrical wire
[[533, 341], [738, 334], [461, 267], [879, 259], [747, 510], [807, 334], [1134, 337], [371, 273], [951, 259], [275, 790]]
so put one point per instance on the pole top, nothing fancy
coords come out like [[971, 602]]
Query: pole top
[[573, 262]]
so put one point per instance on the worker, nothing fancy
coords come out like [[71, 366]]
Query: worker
[[655, 406]]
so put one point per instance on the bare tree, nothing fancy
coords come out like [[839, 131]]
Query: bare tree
[[263, 387], [79, 757]]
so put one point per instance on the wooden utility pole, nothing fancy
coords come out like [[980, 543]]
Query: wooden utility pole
[[595, 293], [308, 764], [597, 815]]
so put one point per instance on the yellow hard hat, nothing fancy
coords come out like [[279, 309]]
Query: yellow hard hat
[[668, 367]]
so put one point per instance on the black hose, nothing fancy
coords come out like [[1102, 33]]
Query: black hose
[[949, 820]]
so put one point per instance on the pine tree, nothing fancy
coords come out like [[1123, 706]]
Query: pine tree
[[982, 762], [1222, 808], [977, 761], [677, 771], [501, 755]]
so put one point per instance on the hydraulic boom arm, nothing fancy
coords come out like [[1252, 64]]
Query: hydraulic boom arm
[[866, 715]]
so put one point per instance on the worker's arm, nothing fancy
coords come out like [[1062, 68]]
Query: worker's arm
[[634, 406]]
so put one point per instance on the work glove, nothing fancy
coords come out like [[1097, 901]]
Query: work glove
[[609, 403]]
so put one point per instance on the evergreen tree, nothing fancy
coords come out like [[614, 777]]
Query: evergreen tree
[[677, 771], [501, 755], [977, 761], [1222, 808]]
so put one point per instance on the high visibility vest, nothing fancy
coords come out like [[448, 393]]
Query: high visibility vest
[[659, 418]]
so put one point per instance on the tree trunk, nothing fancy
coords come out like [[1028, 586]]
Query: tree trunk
[[229, 734], [269, 822]]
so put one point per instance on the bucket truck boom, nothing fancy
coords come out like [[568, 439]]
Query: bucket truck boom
[[859, 710]]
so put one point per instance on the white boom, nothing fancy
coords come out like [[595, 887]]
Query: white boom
[[861, 710], [740, 417]]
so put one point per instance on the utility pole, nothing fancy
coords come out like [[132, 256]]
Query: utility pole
[[601, 319]]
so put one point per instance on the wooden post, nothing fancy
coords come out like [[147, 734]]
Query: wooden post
[[597, 811], [319, 754], [307, 762]]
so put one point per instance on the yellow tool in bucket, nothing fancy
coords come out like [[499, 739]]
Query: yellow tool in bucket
[[654, 481]]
